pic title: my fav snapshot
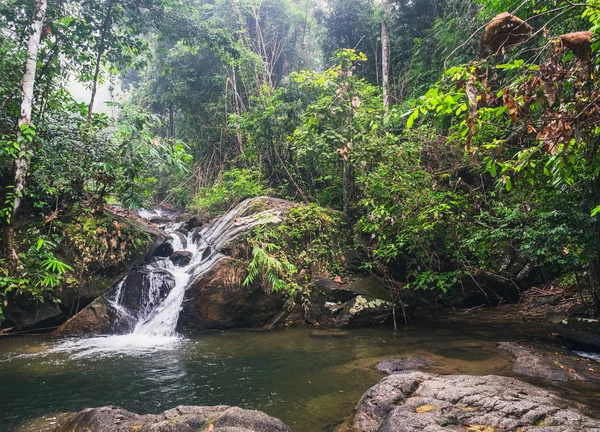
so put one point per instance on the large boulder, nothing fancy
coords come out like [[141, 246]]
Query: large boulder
[[181, 419], [144, 288], [580, 332], [25, 312], [416, 402], [181, 258], [217, 299], [96, 318], [359, 303]]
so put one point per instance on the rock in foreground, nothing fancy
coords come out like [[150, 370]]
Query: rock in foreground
[[416, 401], [181, 419]]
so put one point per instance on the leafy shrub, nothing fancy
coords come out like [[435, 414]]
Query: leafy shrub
[[235, 185]]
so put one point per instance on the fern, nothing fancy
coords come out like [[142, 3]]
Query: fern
[[278, 273]]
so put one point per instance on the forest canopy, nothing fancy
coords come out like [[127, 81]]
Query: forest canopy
[[455, 139]]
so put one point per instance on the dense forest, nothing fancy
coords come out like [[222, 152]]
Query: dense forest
[[449, 141]]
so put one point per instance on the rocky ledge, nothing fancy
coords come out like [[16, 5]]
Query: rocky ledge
[[220, 418], [417, 401], [550, 362]]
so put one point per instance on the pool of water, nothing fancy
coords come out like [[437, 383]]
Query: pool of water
[[311, 379]]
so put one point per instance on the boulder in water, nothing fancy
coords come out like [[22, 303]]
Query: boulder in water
[[25, 312], [165, 250], [181, 237], [583, 333], [360, 303], [180, 419], [181, 258], [550, 362], [196, 221], [416, 402], [218, 300], [400, 364], [96, 318], [145, 288]]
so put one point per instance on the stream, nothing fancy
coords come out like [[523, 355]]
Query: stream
[[309, 378]]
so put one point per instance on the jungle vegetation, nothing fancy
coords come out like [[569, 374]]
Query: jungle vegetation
[[450, 141]]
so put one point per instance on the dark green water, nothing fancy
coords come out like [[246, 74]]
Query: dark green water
[[310, 379]]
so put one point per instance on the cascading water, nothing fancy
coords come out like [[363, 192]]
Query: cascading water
[[155, 315]]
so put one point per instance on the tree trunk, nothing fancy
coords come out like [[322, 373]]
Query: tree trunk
[[171, 121], [347, 187], [385, 55], [101, 47], [21, 163]]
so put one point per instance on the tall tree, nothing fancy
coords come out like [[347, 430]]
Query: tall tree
[[103, 35], [385, 53], [28, 83]]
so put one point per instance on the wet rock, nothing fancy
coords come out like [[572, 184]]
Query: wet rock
[[181, 419], [25, 312], [96, 318], [196, 221], [580, 332], [181, 237], [182, 230], [165, 250], [160, 220], [141, 291], [196, 234], [141, 284], [551, 363], [217, 300], [401, 364], [417, 401], [181, 258]]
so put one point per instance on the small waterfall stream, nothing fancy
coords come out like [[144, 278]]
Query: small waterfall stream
[[156, 314]]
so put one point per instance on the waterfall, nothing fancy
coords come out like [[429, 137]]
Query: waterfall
[[148, 301], [157, 316]]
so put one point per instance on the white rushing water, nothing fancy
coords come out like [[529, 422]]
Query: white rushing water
[[156, 316]]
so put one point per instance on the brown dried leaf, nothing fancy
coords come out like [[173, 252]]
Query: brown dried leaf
[[580, 43], [503, 31]]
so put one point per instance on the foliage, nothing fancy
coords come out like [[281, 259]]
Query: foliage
[[235, 185], [278, 273], [307, 245], [41, 271]]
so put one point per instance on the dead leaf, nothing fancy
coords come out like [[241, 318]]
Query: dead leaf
[[424, 408], [505, 30], [580, 43], [479, 428], [338, 280]]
